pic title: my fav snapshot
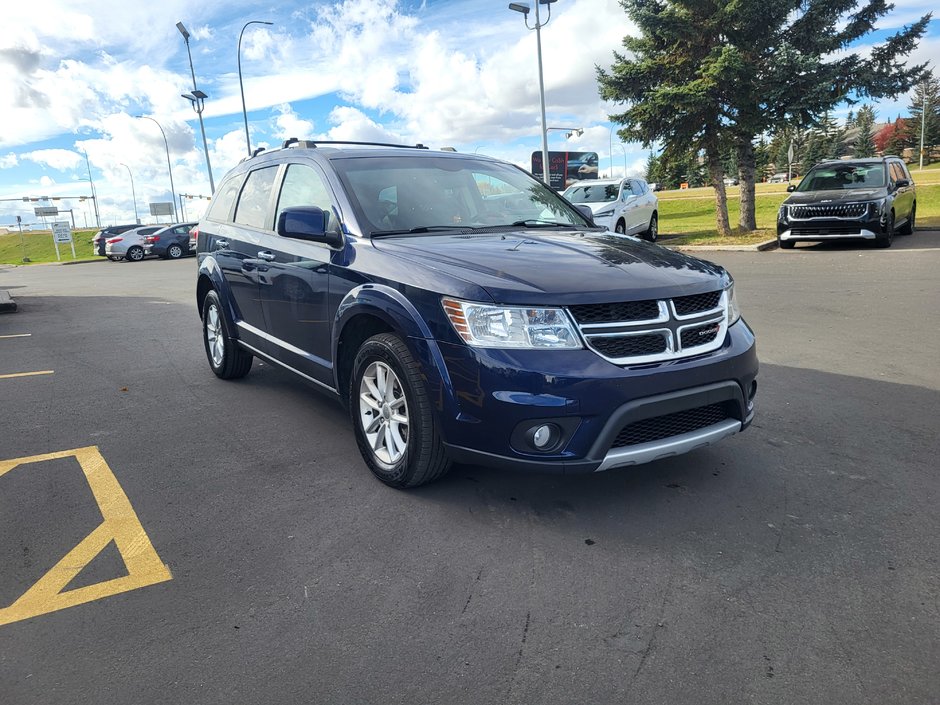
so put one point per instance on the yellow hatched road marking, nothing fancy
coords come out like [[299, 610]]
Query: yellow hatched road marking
[[120, 524], [27, 374]]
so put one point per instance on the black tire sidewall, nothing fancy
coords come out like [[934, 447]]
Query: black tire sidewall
[[236, 363], [380, 348]]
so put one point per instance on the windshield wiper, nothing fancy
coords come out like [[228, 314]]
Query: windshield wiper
[[421, 229], [538, 223]]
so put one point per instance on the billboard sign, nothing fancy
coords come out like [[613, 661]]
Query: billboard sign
[[566, 167], [43, 211], [165, 208]]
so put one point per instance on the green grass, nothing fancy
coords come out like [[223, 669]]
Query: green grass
[[39, 247]]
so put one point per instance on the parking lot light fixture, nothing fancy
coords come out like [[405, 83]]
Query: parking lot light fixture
[[241, 86], [169, 167], [524, 9], [133, 192], [198, 99]]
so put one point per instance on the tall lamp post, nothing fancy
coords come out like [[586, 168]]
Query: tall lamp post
[[241, 86], [198, 100], [169, 168], [133, 192], [525, 9], [94, 196], [923, 121]]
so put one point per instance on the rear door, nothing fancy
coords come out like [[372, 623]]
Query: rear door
[[904, 197], [295, 280]]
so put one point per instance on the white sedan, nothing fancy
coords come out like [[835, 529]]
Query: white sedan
[[626, 206]]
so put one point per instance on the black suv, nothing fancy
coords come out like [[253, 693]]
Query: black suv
[[463, 311], [868, 199]]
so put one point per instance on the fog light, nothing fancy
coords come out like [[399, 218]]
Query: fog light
[[542, 438]]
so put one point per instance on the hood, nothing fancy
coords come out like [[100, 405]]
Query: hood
[[837, 196], [599, 206], [558, 267]]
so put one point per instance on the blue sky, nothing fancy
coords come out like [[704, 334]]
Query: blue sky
[[458, 73]]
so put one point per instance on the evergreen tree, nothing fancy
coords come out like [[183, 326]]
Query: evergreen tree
[[864, 144], [925, 93]]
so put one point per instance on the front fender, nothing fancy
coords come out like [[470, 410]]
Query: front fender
[[209, 276], [393, 308]]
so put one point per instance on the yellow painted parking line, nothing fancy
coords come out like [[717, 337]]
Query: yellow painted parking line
[[120, 525], [27, 374], [16, 335]]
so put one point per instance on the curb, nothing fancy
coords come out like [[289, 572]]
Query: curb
[[7, 304], [759, 247]]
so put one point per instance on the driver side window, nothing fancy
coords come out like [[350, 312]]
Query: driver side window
[[303, 186]]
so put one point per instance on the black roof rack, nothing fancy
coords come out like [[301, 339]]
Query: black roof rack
[[313, 144]]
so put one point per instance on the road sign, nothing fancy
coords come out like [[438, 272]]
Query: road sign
[[43, 211], [161, 208], [62, 233]]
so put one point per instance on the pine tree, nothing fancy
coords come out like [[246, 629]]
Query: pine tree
[[926, 92]]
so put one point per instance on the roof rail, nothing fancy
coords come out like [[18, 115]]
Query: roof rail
[[313, 144]]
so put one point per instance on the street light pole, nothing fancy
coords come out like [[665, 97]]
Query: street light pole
[[923, 119], [94, 196], [241, 86], [524, 9], [169, 167], [133, 192], [197, 98]]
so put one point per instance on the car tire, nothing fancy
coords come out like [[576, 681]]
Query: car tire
[[908, 227], [174, 251], [885, 239], [786, 244], [620, 227], [135, 253], [652, 232], [227, 360], [392, 416]]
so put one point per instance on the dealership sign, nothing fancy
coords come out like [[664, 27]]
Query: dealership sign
[[566, 167]]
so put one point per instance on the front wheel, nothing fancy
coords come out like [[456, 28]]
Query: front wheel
[[135, 253], [227, 360], [652, 232], [885, 239], [391, 412], [621, 227]]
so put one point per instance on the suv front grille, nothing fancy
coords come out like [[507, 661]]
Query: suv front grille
[[668, 425], [654, 330], [835, 210]]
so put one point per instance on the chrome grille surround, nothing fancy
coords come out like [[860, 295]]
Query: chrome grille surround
[[700, 329], [840, 211]]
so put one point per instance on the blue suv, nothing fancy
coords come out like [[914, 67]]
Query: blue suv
[[462, 311]]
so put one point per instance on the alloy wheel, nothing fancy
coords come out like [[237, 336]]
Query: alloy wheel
[[214, 336], [383, 413]]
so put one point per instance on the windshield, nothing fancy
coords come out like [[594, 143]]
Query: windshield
[[834, 177], [593, 193], [408, 194]]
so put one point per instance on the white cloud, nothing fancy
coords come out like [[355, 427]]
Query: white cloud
[[59, 159], [8, 161], [288, 124]]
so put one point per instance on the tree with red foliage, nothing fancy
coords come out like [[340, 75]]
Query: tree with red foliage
[[892, 138]]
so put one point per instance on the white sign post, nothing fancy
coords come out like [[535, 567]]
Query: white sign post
[[62, 233]]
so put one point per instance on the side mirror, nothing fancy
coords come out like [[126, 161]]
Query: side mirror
[[901, 183], [308, 223], [586, 212], [791, 188]]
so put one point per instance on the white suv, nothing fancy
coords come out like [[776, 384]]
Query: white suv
[[626, 206]]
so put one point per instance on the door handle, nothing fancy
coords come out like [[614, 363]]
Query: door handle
[[267, 256], [221, 244]]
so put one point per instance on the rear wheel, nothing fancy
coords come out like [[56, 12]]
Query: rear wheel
[[227, 360], [652, 232], [135, 253], [391, 413], [174, 251], [908, 227]]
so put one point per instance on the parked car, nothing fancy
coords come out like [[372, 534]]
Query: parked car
[[463, 311], [856, 199], [626, 206], [129, 244], [170, 242], [100, 237]]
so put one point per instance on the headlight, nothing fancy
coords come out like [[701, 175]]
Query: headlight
[[734, 313], [877, 207], [486, 326], [782, 213], [604, 213]]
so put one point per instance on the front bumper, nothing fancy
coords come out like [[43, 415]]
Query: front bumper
[[595, 405], [821, 229]]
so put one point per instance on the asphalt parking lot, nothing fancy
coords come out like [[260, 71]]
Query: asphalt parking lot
[[169, 537]]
